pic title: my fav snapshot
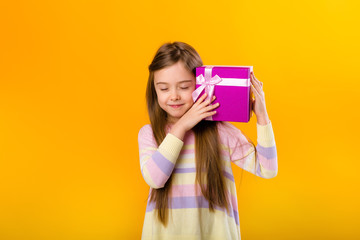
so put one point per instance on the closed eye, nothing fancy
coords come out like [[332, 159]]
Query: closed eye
[[184, 87]]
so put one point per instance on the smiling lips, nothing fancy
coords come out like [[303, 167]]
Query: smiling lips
[[176, 106]]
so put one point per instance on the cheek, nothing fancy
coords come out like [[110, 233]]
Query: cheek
[[161, 98], [189, 96]]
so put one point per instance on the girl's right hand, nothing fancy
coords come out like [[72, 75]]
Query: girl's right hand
[[199, 110]]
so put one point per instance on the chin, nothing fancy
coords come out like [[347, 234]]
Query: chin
[[177, 115]]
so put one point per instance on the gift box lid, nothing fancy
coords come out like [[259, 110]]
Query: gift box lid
[[227, 71]]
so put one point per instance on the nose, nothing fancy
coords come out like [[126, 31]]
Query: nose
[[174, 95]]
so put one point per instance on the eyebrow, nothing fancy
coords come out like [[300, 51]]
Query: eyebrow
[[178, 82]]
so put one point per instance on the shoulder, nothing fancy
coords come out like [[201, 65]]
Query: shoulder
[[230, 134], [226, 128], [145, 130], [146, 136]]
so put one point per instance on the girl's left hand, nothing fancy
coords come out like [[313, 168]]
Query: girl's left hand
[[258, 104]]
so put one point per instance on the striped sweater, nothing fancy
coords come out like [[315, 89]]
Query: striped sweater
[[189, 214]]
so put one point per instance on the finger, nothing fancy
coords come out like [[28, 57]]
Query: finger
[[210, 107], [201, 98], [252, 76], [208, 114], [256, 93], [204, 103], [255, 82], [213, 98], [258, 87]]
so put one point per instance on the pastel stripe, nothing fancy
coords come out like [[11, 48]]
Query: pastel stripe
[[233, 201], [181, 162], [265, 135], [238, 153], [192, 170], [185, 190], [143, 160], [147, 150], [258, 171], [270, 164], [156, 174], [264, 173], [186, 156], [242, 162], [165, 165], [184, 170], [193, 202], [148, 178], [229, 176], [185, 165], [248, 163], [191, 190], [188, 146], [188, 151], [267, 152]]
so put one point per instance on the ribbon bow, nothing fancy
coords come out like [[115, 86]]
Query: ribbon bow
[[206, 82]]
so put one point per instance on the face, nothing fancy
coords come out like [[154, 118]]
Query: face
[[174, 86]]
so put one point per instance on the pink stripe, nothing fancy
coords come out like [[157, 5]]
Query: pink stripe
[[233, 201], [187, 151], [184, 191], [269, 164], [192, 151], [224, 152], [147, 153], [158, 177], [231, 141], [240, 151]]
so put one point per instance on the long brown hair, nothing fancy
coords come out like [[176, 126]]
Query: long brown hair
[[209, 167]]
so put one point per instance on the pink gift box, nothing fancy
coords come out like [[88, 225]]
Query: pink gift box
[[231, 86]]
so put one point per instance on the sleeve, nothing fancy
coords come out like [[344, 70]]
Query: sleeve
[[260, 160], [157, 163]]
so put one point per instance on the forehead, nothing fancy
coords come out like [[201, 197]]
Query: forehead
[[172, 74]]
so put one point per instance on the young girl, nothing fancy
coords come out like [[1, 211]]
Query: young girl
[[186, 160]]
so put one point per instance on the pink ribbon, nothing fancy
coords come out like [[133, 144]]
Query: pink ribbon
[[208, 83]]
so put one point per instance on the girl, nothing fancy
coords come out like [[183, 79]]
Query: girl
[[186, 160]]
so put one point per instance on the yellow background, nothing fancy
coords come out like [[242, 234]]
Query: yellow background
[[72, 100]]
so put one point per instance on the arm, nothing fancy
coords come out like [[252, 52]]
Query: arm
[[157, 163], [260, 160]]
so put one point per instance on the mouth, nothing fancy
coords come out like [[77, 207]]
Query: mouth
[[176, 106]]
